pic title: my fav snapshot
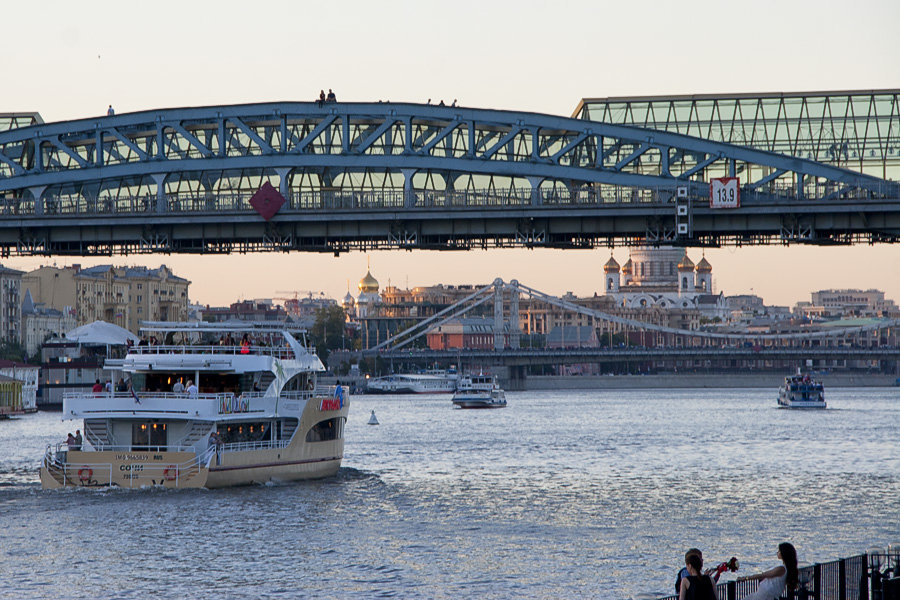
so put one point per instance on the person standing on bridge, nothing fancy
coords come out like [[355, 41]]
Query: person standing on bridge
[[331, 96], [109, 111], [321, 100]]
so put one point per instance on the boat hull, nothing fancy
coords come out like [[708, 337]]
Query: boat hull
[[180, 469], [479, 404], [124, 469]]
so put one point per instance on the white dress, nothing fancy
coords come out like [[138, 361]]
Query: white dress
[[769, 588]]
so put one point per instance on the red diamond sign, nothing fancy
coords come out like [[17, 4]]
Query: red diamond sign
[[267, 201]]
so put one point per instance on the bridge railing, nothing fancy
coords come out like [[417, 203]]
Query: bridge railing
[[340, 200]]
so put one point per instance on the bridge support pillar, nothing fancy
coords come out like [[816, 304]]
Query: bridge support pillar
[[498, 314], [514, 314], [409, 196], [160, 180], [37, 192], [536, 199], [512, 377]]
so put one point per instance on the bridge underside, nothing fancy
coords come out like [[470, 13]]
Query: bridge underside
[[211, 232]]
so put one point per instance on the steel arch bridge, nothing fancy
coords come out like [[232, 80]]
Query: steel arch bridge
[[385, 175]]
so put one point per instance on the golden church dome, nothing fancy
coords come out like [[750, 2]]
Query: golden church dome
[[704, 266], [686, 263], [611, 265], [628, 267], [368, 284]]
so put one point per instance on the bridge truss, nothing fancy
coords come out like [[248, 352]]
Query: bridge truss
[[383, 175]]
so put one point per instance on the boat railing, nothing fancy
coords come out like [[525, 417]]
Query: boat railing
[[253, 445], [62, 447], [284, 352], [94, 474]]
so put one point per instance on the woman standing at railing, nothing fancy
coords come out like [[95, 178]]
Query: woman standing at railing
[[773, 581]]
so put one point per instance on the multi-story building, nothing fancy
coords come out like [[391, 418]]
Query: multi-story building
[[124, 296], [10, 304], [40, 323], [52, 287], [831, 304], [245, 310]]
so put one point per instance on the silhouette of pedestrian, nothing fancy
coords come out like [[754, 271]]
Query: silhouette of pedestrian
[[109, 111]]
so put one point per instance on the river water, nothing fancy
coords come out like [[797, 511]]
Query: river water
[[575, 494]]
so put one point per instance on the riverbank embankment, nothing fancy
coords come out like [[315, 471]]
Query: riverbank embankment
[[697, 380]]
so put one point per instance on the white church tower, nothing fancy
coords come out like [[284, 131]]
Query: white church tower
[[686, 275], [704, 276], [611, 273]]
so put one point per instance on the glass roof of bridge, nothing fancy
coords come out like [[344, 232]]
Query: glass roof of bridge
[[858, 130], [15, 120]]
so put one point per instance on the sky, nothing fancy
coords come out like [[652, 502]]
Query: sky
[[71, 60]]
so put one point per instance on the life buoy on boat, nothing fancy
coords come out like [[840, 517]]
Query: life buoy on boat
[[85, 474], [170, 473]]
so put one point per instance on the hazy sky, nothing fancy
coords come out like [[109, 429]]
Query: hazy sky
[[71, 59]]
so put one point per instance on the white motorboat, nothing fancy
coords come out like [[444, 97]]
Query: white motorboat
[[479, 391], [215, 405], [801, 391], [426, 382]]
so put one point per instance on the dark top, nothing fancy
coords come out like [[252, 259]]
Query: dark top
[[701, 588]]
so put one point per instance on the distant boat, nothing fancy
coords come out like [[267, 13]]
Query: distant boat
[[479, 391], [801, 391], [426, 382]]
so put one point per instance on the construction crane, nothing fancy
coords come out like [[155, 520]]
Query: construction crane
[[296, 294]]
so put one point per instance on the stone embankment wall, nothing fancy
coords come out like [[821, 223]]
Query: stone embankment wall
[[697, 380]]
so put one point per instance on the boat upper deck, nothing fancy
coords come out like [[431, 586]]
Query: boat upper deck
[[208, 407]]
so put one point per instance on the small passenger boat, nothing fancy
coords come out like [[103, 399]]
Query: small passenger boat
[[801, 391], [479, 391], [215, 405]]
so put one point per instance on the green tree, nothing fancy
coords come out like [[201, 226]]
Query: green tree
[[12, 350], [328, 333]]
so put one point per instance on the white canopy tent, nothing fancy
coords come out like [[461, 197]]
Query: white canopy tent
[[101, 333]]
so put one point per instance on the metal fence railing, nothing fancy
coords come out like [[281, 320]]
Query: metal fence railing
[[863, 577]]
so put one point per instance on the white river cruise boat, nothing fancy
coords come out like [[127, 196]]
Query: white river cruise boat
[[427, 382], [214, 405], [479, 391], [801, 391]]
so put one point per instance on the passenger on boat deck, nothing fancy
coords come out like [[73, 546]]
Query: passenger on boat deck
[[192, 389], [78, 439], [143, 341], [108, 387], [98, 387], [121, 386], [70, 441], [178, 388]]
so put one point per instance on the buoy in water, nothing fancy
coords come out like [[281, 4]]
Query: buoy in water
[[373, 420]]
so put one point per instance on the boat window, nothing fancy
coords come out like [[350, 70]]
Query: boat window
[[236, 433], [148, 435], [325, 431], [298, 383]]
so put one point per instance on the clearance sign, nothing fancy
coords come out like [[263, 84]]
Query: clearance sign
[[725, 192]]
